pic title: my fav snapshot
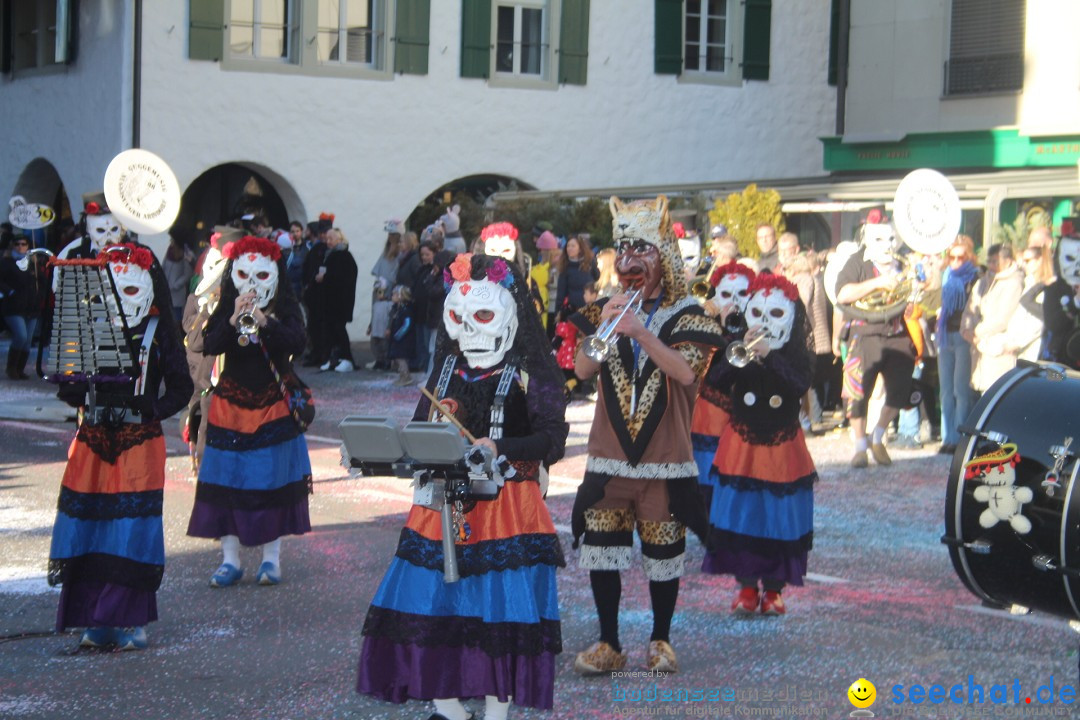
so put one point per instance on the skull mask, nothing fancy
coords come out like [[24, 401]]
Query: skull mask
[[482, 317], [690, 248], [104, 229], [1069, 260], [732, 289], [258, 273], [501, 245], [880, 244], [136, 289], [772, 310]]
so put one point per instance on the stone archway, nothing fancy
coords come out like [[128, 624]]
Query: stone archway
[[231, 190], [40, 183], [471, 192]]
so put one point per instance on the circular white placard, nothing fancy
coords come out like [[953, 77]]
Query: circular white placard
[[926, 211], [142, 191]]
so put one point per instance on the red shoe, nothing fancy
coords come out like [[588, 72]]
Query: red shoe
[[746, 602], [772, 603]]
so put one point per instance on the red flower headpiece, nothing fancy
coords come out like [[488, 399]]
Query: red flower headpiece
[[678, 229], [93, 208], [768, 282], [135, 255], [499, 229], [250, 244], [1067, 228], [327, 216], [732, 268]]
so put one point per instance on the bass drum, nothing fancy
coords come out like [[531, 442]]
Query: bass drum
[[1026, 554]]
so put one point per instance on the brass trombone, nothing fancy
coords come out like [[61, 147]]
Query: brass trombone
[[599, 345]]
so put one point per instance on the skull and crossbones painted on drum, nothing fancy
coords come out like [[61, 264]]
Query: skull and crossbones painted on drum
[[997, 471], [480, 315], [130, 266]]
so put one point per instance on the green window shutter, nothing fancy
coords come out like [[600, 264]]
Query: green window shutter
[[834, 40], [206, 33], [574, 42], [669, 39], [411, 47], [757, 29], [475, 38]]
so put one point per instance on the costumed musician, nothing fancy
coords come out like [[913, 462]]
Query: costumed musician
[[761, 512], [1061, 302], [429, 639], [108, 548], [255, 473], [640, 470]]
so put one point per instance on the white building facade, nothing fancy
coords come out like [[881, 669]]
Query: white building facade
[[364, 108]]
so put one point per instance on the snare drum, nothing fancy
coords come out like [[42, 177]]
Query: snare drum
[[1014, 531]]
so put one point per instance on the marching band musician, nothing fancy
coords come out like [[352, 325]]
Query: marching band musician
[[640, 469], [761, 512], [255, 473], [1061, 302], [729, 290], [108, 547], [493, 633], [883, 347]]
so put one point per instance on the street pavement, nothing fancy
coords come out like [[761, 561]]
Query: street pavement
[[882, 601]]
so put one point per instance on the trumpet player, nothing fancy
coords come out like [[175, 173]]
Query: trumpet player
[[761, 513], [640, 472], [882, 346]]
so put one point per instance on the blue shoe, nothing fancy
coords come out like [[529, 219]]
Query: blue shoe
[[225, 576], [131, 638], [97, 637], [269, 574]]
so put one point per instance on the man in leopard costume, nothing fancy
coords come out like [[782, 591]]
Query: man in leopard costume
[[640, 471]]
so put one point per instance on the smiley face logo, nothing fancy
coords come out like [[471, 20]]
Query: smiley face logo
[[862, 693]]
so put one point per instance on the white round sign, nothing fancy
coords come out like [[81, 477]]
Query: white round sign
[[926, 211], [29, 216], [142, 191]]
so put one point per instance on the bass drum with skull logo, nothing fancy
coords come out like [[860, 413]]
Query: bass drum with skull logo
[[1012, 509]]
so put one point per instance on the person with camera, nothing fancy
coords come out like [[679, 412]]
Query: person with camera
[[494, 632]]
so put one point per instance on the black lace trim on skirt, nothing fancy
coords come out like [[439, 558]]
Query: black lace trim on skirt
[[760, 434], [221, 496], [99, 567], [495, 639], [486, 556], [237, 394], [110, 506], [704, 443], [272, 433], [109, 443], [749, 484]]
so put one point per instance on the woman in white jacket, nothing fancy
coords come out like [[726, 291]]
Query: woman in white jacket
[[986, 320], [1024, 333]]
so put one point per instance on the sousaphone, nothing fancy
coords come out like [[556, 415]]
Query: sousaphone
[[926, 215], [142, 192]]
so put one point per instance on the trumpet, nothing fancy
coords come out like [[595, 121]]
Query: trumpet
[[599, 345], [738, 353], [248, 328], [700, 290]]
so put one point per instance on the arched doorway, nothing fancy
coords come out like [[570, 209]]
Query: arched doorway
[[40, 183], [230, 191], [471, 193]]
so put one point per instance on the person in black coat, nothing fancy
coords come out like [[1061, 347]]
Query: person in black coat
[[315, 296], [577, 268], [23, 290], [339, 286]]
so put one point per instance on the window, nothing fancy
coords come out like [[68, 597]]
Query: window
[[350, 25], [986, 47], [521, 42], [713, 41], [706, 36], [41, 34], [342, 38], [263, 30]]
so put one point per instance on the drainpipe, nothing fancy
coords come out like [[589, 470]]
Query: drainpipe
[[844, 29], [136, 77]]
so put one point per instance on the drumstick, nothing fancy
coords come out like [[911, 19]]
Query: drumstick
[[447, 414]]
